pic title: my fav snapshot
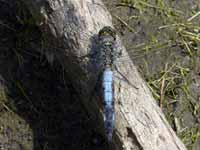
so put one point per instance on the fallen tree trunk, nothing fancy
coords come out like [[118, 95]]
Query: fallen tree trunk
[[70, 28]]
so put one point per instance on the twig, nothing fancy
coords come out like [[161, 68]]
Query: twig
[[123, 22], [194, 16], [162, 91]]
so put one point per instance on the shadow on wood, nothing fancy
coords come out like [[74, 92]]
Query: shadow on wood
[[40, 94]]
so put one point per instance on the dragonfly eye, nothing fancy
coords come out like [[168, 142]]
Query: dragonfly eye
[[107, 31]]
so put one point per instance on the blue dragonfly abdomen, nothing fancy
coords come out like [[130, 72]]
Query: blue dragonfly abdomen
[[108, 111]]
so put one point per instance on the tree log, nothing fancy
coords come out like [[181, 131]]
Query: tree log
[[70, 28]]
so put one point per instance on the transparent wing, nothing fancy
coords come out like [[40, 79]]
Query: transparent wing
[[133, 53]]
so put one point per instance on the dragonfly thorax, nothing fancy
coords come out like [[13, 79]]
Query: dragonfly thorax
[[107, 37]]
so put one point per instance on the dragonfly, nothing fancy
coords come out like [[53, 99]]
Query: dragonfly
[[107, 56]]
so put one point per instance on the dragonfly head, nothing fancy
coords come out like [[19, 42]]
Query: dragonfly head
[[106, 32]]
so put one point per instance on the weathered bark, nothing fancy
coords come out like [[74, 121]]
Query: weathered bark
[[71, 26]]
